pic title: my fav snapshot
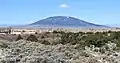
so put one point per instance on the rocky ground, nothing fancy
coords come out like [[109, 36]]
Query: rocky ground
[[23, 51]]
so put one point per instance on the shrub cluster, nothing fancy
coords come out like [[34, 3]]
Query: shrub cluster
[[97, 39]]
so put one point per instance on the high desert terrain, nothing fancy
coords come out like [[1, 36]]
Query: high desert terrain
[[59, 31], [61, 46], [60, 39]]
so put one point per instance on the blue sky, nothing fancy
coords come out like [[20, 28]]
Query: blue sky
[[27, 11]]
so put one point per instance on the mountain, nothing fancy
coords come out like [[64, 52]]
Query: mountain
[[113, 25], [64, 21]]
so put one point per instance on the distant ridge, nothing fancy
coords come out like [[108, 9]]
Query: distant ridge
[[64, 21]]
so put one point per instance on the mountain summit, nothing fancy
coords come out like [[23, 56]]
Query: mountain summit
[[64, 21]]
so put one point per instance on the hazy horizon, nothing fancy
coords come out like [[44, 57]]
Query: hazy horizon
[[21, 12]]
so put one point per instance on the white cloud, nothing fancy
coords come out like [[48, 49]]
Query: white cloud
[[64, 6]]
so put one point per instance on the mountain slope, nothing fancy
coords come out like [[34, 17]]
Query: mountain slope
[[65, 21]]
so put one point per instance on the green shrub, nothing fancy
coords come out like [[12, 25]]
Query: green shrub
[[3, 45], [55, 31], [19, 37], [97, 39], [45, 42], [32, 38]]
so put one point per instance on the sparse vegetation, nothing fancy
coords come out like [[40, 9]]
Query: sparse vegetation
[[59, 46], [86, 39]]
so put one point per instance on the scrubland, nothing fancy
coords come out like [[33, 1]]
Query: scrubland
[[62, 47]]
